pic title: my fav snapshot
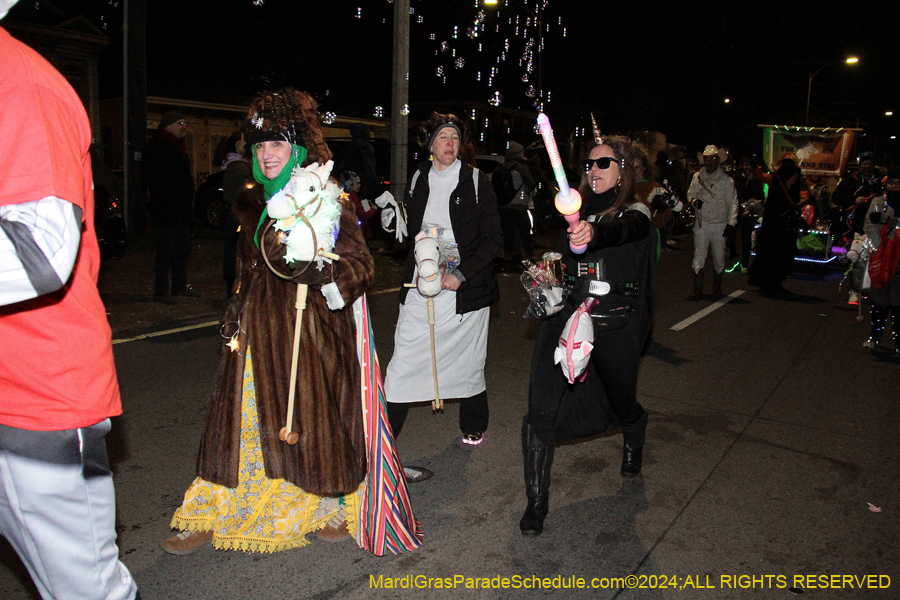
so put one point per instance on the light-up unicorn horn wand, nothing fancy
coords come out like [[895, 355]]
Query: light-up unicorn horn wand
[[568, 201]]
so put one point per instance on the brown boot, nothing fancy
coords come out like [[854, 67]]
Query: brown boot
[[187, 542], [336, 529], [698, 286]]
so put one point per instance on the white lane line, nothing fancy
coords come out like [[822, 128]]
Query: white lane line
[[144, 336], [166, 332], [384, 291], [709, 309]]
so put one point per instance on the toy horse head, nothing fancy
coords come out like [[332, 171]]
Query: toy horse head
[[428, 257], [859, 248], [303, 188]]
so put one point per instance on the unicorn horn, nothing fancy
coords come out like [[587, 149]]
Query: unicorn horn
[[597, 138]]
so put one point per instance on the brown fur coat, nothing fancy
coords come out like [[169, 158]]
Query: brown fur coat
[[329, 459]]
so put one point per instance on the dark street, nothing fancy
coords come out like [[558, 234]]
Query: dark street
[[771, 431]]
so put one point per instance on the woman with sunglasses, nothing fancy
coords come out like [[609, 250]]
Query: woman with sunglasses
[[621, 243]]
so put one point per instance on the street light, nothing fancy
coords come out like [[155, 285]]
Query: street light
[[539, 41], [850, 61]]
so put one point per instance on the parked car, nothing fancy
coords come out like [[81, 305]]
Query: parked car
[[209, 201], [109, 214], [488, 163]]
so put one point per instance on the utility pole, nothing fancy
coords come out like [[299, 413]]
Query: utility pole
[[400, 100], [134, 110]]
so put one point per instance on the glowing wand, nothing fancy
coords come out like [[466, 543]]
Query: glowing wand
[[568, 201]]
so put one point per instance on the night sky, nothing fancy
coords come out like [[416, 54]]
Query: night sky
[[636, 65]]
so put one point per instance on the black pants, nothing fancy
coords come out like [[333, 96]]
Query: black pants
[[513, 220], [615, 357], [473, 414], [173, 244]]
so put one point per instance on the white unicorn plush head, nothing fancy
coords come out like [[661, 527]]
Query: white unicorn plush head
[[428, 258], [304, 185], [308, 208], [859, 249], [575, 345]]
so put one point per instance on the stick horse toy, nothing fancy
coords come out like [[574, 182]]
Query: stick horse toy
[[428, 283], [307, 213]]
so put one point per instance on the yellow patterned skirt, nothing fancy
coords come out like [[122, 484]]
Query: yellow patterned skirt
[[260, 514]]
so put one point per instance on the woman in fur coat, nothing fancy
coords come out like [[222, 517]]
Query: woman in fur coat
[[255, 491]]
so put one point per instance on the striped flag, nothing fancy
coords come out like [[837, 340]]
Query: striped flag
[[386, 521]]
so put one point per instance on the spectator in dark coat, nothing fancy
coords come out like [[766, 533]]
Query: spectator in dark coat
[[235, 162], [359, 157], [167, 174]]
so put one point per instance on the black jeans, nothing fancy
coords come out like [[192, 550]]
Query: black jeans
[[173, 244], [473, 414]]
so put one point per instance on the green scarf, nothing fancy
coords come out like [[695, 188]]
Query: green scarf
[[272, 186]]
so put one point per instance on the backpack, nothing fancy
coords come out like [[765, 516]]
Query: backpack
[[504, 185]]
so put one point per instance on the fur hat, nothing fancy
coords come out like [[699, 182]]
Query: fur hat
[[711, 150], [173, 116], [289, 115]]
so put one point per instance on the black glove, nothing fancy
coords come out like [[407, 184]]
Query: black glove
[[698, 203], [729, 229], [875, 217]]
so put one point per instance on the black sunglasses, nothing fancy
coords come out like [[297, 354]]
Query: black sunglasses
[[602, 163]]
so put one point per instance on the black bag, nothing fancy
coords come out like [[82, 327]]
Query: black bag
[[504, 185]]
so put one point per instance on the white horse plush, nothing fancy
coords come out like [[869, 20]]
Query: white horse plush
[[310, 192], [428, 258], [576, 342], [858, 254]]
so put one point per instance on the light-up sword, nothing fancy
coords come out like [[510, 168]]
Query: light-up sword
[[568, 201]]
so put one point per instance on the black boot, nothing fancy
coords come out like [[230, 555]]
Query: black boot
[[633, 448], [717, 285], [879, 320], [538, 460], [698, 286]]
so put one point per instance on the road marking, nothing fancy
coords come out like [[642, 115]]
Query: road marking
[[166, 332], [144, 336], [384, 291], [709, 309]]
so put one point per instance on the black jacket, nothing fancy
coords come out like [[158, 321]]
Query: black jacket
[[167, 173], [626, 242], [476, 227]]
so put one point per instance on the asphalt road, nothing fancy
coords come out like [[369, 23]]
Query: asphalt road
[[771, 430]]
